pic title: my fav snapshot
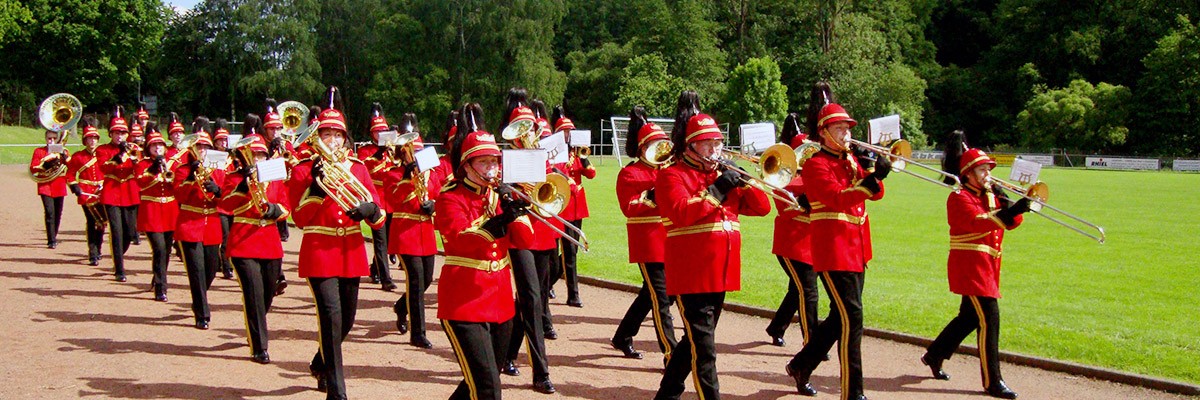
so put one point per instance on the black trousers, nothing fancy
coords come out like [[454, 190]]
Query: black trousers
[[569, 266], [844, 325], [95, 234], [530, 308], [546, 262], [801, 278], [52, 209], [477, 345], [652, 298], [226, 222], [257, 278], [122, 228], [337, 304], [379, 244], [412, 303], [160, 253], [975, 314], [201, 262], [696, 354]]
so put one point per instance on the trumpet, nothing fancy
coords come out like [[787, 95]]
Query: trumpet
[[658, 153], [548, 199], [1038, 193], [777, 166], [337, 181], [899, 152]]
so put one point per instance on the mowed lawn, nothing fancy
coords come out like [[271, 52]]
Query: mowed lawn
[[1130, 304]]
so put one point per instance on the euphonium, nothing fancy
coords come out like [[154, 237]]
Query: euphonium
[[336, 180], [257, 190]]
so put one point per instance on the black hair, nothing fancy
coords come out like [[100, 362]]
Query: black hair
[[200, 124], [686, 107], [539, 108], [451, 122], [820, 95], [409, 119], [637, 119], [557, 114], [470, 120], [252, 125], [333, 97], [314, 111], [270, 105], [118, 111], [173, 117], [791, 128], [151, 126], [956, 144], [221, 124], [517, 96], [376, 110]]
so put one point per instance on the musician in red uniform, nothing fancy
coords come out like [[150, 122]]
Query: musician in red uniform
[[120, 191], [137, 141], [175, 132], [793, 250], [837, 185], [198, 189], [410, 194], [700, 199], [278, 147], [255, 248], [635, 193], [49, 171], [379, 162], [333, 253], [576, 168], [221, 143], [85, 181], [978, 215], [159, 212], [445, 169], [475, 295]]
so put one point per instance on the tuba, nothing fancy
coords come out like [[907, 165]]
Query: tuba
[[58, 113], [524, 131], [337, 181], [294, 115]]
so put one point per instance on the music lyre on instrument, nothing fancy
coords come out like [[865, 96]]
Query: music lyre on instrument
[[899, 152], [1038, 193]]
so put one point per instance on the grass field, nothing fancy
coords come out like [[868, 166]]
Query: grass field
[[21, 135], [1130, 304]]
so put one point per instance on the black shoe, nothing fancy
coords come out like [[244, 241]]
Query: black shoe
[[52, 244], [283, 238], [803, 387], [280, 287], [121, 278], [401, 310], [421, 342], [510, 369], [544, 387], [392, 259], [262, 358], [374, 278], [551, 334], [1000, 390], [202, 325], [319, 376], [136, 241], [935, 367], [389, 286], [777, 340], [93, 261], [626, 347], [575, 303], [160, 293], [825, 357], [859, 397], [227, 274], [551, 294]]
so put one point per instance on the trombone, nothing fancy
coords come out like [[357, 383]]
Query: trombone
[[1037, 194], [777, 166], [549, 202], [899, 152]]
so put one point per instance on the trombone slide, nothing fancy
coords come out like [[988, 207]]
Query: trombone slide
[[900, 153], [1038, 194], [582, 242]]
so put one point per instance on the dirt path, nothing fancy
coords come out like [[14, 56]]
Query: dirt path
[[70, 331]]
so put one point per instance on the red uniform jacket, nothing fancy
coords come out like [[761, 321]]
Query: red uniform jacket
[[791, 227], [476, 279], [975, 237], [412, 230], [159, 212], [704, 245], [577, 207], [198, 219], [378, 168], [642, 220], [251, 236], [841, 231], [83, 169], [47, 183], [120, 184], [333, 244]]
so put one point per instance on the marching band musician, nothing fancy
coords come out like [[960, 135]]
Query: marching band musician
[[279, 148], [221, 142], [85, 181], [545, 247], [120, 191], [475, 297], [159, 212], [255, 248], [700, 201], [576, 168], [635, 193], [137, 139], [411, 194], [198, 190], [175, 132], [445, 169], [333, 252], [792, 248], [49, 172], [837, 185], [378, 163], [978, 215]]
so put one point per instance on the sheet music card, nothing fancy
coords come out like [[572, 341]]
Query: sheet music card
[[757, 137], [522, 166], [54, 148], [884, 129], [233, 139], [215, 159], [581, 138], [556, 148], [386, 137], [427, 158], [272, 170], [1025, 171]]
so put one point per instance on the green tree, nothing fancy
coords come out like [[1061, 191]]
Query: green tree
[[593, 80], [754, 93], [683, 33], [1079, 116], [647, 83], [1168, 114], [12, 16]]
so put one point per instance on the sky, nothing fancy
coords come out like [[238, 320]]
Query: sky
[[181, 4]]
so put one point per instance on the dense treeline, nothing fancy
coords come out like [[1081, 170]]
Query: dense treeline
[[1117, 76]]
